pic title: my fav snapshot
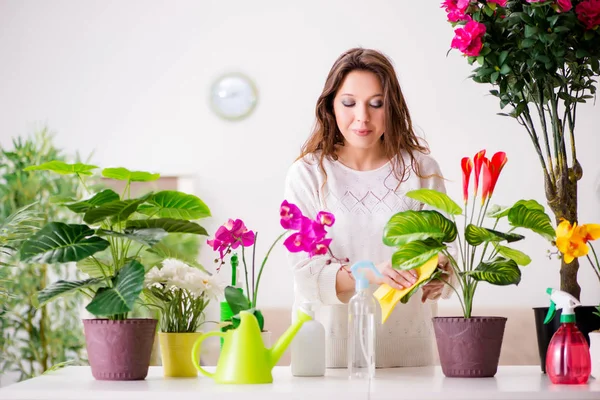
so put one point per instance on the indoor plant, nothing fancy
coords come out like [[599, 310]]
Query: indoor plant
[[308, 236], [468, 345], [107, 246], [34, 339], [181, 293], [542, 57]]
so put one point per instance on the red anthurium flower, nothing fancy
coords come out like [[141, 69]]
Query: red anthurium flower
[[478, 161], [291, 216], [491, 172], [467, 166]]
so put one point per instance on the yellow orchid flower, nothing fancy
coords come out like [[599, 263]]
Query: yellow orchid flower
[[571, 240]]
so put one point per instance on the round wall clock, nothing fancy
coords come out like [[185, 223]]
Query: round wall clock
[[233, 96]]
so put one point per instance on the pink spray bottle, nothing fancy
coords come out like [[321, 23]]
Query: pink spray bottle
[[568, 356]]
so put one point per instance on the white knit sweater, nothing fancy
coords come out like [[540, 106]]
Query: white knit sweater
[[362, 202]]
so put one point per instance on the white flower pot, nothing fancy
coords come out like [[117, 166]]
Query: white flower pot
[[595, 353]]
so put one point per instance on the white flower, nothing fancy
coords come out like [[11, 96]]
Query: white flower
[[154, 278], [175, 275]]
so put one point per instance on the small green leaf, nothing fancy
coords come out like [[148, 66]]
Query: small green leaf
[[415, 254], [527, 43], [530, 30], [407, 226], [236, 299], [535, 220], [63, 168], [62, 288], [502, 57], [588, 35], [435, 199], [60, 243], [494, 77], [103, 197], [177, 205], [120, 298], [505, 69], [499, 212], [475, 235], [168, 224], [123, 174], [517, 256], [499, 271]]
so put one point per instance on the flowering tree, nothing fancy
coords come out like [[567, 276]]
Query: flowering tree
[[542, 57]]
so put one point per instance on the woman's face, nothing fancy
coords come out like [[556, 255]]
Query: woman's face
[[359, 111]]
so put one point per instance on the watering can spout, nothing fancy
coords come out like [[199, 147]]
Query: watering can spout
[[284, 340]]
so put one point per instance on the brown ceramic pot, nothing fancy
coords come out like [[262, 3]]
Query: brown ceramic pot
[[119, 350], [469, 347]]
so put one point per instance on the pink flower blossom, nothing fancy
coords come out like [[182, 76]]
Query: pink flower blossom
[[588, 12], [469, 39], [456, 10], [564, 6], [291, 216], [325, 218], [320, 248]]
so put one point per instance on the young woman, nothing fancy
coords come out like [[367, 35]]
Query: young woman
[[361, 158]]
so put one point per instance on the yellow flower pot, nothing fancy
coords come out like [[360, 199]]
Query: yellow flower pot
[[175, 349]]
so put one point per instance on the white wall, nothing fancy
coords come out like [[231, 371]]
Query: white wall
[[129, 81]]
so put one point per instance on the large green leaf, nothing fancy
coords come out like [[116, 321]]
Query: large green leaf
[[536, 220], [174, 204], [148, 237], [63, 168], [407, 226], [418, 286], [60, 243], [63, 288], [97, 268], [475, 235], [161, 251], [120, 298], [499, 271], [416, 253], [499, 212], [168, 224], [123, 174], [518, 256], [435, 199], [236, 299], [120, 210], [103, 197]]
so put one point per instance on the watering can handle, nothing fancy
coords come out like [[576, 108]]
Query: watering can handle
[[196, 350]]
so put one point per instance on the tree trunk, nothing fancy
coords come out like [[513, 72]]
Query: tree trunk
[[563, 202]]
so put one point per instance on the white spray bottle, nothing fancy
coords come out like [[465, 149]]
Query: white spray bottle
[[308, 347], [361, 325]]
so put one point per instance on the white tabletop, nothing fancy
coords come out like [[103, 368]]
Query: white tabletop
[[511, 382]]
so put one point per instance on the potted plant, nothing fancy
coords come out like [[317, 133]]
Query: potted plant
[[469, 346], [107, 247], [542, 57], [305, 235], [181, 293]]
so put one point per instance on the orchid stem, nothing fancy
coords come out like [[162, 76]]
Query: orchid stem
[[263, 265]]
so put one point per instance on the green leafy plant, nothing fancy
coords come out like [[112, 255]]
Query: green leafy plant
[[33, 339], [542, 56], [113, 225], [419, 236]]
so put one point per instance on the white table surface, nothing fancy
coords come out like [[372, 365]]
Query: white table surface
[[511, 382]]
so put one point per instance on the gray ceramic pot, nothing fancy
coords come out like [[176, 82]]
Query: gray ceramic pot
[[469, 347], [119, 350]]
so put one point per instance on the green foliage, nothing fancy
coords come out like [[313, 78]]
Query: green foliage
[[116, 230], [418, 236], [33, 339]]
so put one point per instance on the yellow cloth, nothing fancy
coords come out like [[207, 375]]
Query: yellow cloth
[[388, 297]]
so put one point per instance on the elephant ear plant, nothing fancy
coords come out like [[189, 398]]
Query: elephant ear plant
[[107, 245], [484, 256]]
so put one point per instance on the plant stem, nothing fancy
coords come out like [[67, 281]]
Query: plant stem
[[253, 260], [246, 273], [263, 265], [597, 266]]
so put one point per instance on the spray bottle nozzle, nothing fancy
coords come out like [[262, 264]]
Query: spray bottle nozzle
[[361, 281], [564, 301]]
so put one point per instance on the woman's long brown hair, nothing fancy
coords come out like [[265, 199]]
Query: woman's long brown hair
[[398, 135]]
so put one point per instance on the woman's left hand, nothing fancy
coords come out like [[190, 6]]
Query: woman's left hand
[[433, 290]]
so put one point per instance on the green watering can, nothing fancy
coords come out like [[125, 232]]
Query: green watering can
[[244, 358]]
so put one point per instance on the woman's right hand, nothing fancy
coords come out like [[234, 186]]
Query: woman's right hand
[[398, 279]]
